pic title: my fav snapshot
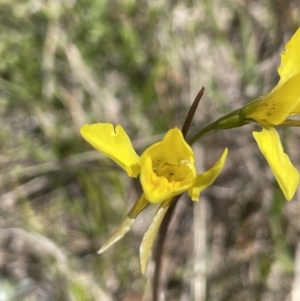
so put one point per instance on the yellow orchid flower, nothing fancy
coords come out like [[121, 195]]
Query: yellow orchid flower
[[166, 169], [270, 111], [274, 109]]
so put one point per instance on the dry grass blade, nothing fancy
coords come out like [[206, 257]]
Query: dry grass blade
[[43, 247], [296, 285], [23, 191]]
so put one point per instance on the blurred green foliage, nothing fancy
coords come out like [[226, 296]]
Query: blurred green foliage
[[140, 64]]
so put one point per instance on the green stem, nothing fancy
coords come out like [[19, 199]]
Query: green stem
[[232, 120]]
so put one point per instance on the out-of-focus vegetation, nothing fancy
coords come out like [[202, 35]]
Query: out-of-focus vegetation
[[140, 64]]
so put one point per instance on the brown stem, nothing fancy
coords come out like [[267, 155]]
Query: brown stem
[[166, 221]]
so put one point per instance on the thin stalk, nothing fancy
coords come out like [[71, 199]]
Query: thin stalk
[[232, 120]]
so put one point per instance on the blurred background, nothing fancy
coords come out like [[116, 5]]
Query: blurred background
[[64, 63]]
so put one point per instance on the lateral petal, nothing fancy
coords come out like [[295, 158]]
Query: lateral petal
[[118, 234], [290, 59], [274, 108], [284, 171], [284, 99], [139, 205], [207, 178], [113, 142], [150, 235]]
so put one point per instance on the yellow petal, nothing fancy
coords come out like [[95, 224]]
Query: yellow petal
[[113, 142], [167, 167], [207, 178], [139, 205], [275, 107], [296, 109], [284, 99], [285, 173], [172, 149], [158, 189], [149, 236], [290, 59]]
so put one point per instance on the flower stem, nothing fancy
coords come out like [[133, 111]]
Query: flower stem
[[232, 120]]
